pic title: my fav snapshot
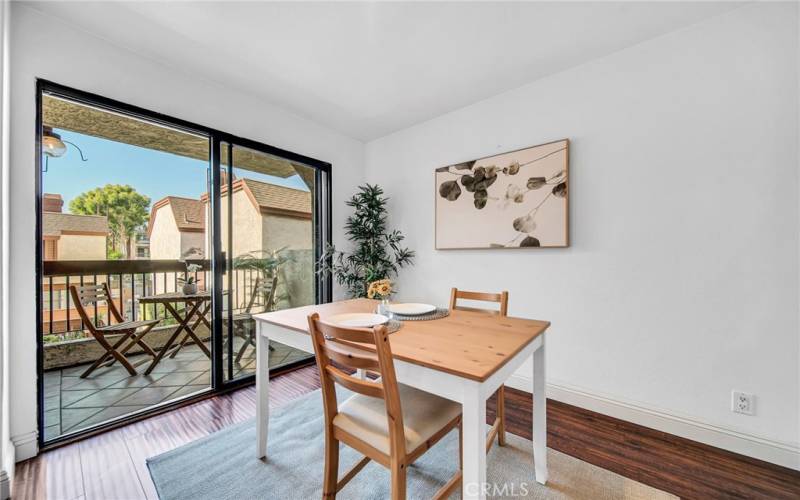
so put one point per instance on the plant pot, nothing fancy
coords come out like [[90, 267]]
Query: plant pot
[[190, 288]]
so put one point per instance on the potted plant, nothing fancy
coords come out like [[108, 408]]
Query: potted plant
[[377, 253], [189, 281]]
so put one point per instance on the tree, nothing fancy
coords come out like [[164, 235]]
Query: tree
[[125, 208], [377, 253]]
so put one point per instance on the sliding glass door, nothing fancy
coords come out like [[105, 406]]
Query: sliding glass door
[[268, 240], [169, 233]]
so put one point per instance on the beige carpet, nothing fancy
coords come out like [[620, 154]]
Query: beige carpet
[[570, 478], [222, 466]]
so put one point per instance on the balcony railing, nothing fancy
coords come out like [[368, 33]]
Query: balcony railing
[[128, 280]]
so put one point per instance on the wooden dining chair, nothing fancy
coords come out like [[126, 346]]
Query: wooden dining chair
[[131, 332], [499, 426], [390, 423]]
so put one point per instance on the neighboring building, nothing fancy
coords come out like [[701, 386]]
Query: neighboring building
[[71, 236], [265, 217], [176, 228], [176, 231], [67, 237], [141, 246]]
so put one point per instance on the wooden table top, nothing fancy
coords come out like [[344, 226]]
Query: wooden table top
[[469, 344], [175, 297]]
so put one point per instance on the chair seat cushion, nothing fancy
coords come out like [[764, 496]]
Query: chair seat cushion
[[424, 415]]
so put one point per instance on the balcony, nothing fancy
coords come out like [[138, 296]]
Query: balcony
[[72, 403]]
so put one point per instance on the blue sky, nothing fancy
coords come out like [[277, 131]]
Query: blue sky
[[151, 173]]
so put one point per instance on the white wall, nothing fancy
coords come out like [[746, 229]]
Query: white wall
[[48, 48], [681, 282], [6, 448]]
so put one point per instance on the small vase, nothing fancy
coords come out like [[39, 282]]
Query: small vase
[[190, 288], [383, 308]]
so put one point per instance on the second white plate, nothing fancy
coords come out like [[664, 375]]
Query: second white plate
[[357, 320], [411, 309]]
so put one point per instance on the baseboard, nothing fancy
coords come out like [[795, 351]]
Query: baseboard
[[783, 454], [5, 485], [25, 445], [7, 470]]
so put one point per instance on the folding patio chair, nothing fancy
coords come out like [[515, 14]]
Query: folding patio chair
[[131, 332], [265, 290]]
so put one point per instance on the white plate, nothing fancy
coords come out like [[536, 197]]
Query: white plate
[[411, 309], [357, 320]]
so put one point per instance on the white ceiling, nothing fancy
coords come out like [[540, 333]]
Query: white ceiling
[[369, 69]]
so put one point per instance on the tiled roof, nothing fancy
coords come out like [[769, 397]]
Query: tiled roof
[[272, 197], [55, 223], [188, 213]]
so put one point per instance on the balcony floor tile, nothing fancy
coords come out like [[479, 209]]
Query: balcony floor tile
[[73, 403]]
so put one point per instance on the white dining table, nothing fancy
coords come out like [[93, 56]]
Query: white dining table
[[464, 357]]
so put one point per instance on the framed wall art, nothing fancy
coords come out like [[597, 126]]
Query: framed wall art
[[518, 199]]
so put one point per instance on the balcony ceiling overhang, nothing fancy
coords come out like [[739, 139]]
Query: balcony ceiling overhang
[[66, 115]]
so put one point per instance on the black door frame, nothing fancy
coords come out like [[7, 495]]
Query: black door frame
[[321, 225]]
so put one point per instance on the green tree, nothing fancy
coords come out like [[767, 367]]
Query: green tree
[[125, 208], [377, 253]]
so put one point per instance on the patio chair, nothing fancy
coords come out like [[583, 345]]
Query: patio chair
[[131, 332], [261, 288]]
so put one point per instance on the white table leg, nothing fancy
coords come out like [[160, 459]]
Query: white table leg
[[262, 391], [539, 415], [361, 373], [474, 448]]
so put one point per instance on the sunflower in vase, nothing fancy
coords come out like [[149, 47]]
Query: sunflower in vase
[[381, 290]]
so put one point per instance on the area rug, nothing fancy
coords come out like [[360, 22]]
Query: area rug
[[223, 466]]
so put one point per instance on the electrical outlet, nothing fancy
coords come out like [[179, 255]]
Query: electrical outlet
[[742, 402]]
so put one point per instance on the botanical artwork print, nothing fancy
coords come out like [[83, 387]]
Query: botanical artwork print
[[511, 200]]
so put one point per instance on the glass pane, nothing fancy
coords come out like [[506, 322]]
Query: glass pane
[[122, 212], [270, 249]]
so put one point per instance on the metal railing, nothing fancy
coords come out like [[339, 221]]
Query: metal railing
[[128, 280]]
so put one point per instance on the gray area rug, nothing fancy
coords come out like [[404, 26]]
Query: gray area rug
[[223, 466]]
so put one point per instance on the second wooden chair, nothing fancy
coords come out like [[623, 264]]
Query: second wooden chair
[[388, 422], [499, 426]]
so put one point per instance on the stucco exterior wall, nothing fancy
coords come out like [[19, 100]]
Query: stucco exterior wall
[[247, 228], [283, 231], [81, 247], [165, 239], [193, 240]]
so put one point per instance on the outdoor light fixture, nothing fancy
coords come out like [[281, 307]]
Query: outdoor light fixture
[[54, 147]]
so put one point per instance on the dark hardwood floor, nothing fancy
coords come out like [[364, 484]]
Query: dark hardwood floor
[[670, 463], [112, 466]]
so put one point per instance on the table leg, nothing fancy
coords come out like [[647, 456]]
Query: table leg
[[474, 444], [182, 323], [539, 415], [361, 373], [189, 331], [262, 391], [201, 318]]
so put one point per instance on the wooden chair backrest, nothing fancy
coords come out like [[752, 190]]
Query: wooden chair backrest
[[498, 298], [87, 295], [263, 288], [334, 344]]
